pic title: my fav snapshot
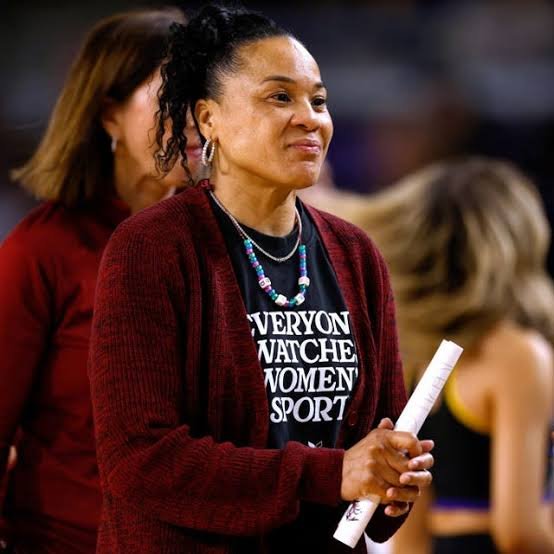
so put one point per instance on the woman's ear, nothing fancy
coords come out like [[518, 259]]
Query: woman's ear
[[206, 112], [111, 118]]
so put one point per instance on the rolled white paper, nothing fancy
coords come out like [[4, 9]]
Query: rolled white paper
[[359, 513]]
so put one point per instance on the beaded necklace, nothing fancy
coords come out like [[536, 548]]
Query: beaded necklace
[[263, 281]]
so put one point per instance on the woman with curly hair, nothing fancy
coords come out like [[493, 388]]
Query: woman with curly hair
[[244, 356]]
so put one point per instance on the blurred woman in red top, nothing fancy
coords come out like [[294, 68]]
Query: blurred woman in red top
[[93, 167]]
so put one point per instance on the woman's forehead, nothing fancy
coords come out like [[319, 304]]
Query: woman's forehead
[[278, 56]]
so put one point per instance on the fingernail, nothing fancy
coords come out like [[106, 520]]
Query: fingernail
[[404, 479]]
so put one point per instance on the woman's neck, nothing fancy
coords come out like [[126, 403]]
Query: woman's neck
[[267, 208], [136, 190], [124, 183]]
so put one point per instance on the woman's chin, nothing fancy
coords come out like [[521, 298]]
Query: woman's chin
[[306, 179]]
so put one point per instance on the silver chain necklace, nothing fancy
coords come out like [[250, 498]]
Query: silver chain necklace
[[245, 235]]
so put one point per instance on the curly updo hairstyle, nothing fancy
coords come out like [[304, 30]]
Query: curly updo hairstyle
[[199, 55]]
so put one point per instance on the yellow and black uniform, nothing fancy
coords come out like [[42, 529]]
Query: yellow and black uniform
[[461, 474]]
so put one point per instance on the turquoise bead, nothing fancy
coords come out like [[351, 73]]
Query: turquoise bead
[[271, 292]]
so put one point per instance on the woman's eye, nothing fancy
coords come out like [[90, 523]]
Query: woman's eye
[[319, 102], [281, 97]]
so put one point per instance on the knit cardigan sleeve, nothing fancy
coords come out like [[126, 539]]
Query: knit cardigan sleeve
[[146, 453]]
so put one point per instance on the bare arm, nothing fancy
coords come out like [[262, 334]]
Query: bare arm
[[414, 536], [522, 402]]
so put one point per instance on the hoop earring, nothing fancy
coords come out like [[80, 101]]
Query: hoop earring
[[113, 144], [208, 158]]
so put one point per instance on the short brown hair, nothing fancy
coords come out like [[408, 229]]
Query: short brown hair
[[73, 163]]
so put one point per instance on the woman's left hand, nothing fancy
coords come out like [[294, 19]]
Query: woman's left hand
[[412, 481]]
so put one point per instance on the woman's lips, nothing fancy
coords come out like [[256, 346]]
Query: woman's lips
[[307, 146]]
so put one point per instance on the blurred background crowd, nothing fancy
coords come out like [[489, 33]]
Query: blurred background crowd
[[409, 82]]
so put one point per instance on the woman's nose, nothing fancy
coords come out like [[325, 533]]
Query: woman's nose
[[305, 116]]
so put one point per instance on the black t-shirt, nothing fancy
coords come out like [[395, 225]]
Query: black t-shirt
[[307, 352]]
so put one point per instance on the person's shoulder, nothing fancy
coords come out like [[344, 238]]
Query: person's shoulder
[[517, 355], [337, 224], [353, 240], [36, 243], [42, 227], [165, 223], [345, 230]]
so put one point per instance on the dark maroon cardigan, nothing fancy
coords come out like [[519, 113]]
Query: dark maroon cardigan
[[179, 400]]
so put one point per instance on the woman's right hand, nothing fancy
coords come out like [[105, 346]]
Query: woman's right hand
[[390, 464]]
